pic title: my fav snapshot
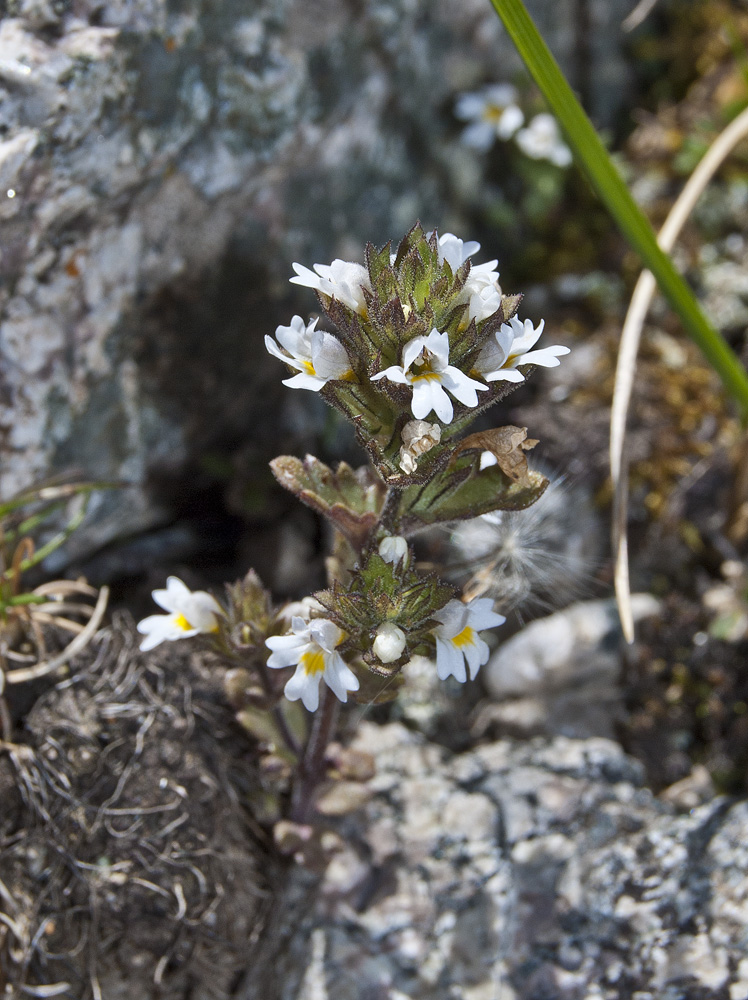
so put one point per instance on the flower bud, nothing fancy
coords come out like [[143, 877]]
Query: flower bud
[[393, 549], [389, 643]]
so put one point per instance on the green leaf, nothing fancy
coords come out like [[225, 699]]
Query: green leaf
[[349, 499], [463, 491], [605, 179], [377, 261]]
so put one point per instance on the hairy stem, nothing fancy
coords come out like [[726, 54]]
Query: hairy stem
[[312, 766], [388, 519]]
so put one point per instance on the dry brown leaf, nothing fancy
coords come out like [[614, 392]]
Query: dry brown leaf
[[508, 445]]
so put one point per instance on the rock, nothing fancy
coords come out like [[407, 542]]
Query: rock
[[160, 169], [560, 673], [692, 791], [532, 870]]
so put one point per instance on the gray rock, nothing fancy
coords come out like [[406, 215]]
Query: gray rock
[[560, 674], [529, 870]]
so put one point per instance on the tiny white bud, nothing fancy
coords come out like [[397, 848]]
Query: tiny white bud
[[393, 549], [389, 643]]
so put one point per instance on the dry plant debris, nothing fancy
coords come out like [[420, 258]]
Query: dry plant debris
[[125, 854]]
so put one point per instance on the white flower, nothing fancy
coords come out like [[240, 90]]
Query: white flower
[[389, 643], [190, 612], [426, 368], [418, 437], [509, 348], [484, 300], [393, 549], [541, 140], [481, 291], [457, 639], [316, 355], [311, 647], [454, 250], [493, 113], [341, 280]]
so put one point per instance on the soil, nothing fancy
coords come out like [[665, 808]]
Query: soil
[[125, 851]]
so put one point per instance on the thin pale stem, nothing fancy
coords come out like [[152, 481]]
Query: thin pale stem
[[629, 349]]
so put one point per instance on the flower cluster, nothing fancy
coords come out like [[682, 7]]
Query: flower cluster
[[494, 113], [421, 334]]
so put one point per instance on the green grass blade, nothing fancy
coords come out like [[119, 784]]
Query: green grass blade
[[605, 179]]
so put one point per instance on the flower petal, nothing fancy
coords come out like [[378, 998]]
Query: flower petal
[[339, 677], [305, 686], [172, 598], [303, 381], [394, 373], [427, 396], [547, 357], [462, 386], [449, 661]]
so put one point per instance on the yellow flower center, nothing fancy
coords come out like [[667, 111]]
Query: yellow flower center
[[492, 113], [425, 377], [308, 367], [464, 638], [313, 661], [181, 622]]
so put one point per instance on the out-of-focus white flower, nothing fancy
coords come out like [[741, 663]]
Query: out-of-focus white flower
[[509, 348], [389, 643], [457, 639], [418, 437], [541, 140], [341, 280], [317, 356], [190, 612], [492, 112], [393, 549], [427, 370], [311, 647]]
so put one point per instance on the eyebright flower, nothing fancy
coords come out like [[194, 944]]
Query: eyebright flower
[[541, 140], [418, 437], [481, 291], [389, 643], [457, 639], [393, 549], [316, 355], [509, 348], [426, 368], [341, 280], [454, 250], [190, 612], [311, 647], [484, 300], [493, 112]]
